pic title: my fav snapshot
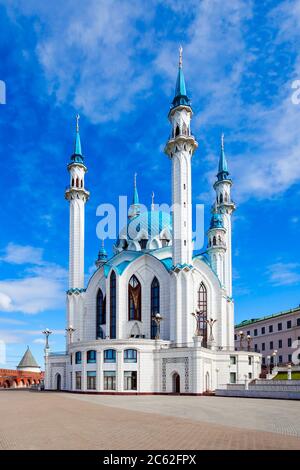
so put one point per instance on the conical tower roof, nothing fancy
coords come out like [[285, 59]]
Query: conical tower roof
[[27, 360]]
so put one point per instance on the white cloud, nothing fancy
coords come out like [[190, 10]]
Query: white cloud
[[283, 274], [18, 254], [41, 287]]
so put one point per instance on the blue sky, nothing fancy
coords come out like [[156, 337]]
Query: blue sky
[[115, 63]]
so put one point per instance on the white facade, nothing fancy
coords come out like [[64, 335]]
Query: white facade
[[116, 346]]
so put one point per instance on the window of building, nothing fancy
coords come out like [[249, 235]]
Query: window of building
[[248, 333], [130, 355], [250, 360], [249, 375], [272, 360], [134, 299], [78, 357], [109, 355], [298, 321], [263, 330], [202, 307], [279, 326], [91, 380], [255, 332], [255, 347], [71, 358], [232, 360], [289, 324], [100, 314], [113, 310], [271, 344], [270, 328], [290, 358], [155, 294], [109, 382], [143, 243], [263, 346], [78, 380], [280, 343], [235, 337], [263, 361], [280, 359], [130, 380], [289, 342], [232, 377], [91, 357]]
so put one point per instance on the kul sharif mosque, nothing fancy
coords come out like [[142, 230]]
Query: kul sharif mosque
[[155, 317]]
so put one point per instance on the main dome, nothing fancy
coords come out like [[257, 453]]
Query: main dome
[[148, 230]]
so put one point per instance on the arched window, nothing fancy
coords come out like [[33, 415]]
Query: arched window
[[77, 183], [72, 181], [91, 357], [221, 198], [78, 357], [214, 241], [113, 306], [143, 243], [226, 197], [184, 129], [219, 240], [134, 299], [81, 183], [100, 313], [155, 307], [110, 355], [202, 307], [177, 132], [130, 355]]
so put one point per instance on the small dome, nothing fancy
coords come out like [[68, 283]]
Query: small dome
[[147, 226], [216, 221]]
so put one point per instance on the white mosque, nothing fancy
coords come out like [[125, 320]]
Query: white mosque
[[155, 317]]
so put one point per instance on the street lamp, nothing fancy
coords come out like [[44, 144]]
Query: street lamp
[[197, 315], [70, 332], [249, 339], [210, 323], [268, 364], [157, 318], [275, 357], [242, 336], [47, 333]]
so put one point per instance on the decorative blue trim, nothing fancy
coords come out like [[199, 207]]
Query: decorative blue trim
[[75, 290]]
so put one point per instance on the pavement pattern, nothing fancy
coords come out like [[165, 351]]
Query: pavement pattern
[[53, 420]]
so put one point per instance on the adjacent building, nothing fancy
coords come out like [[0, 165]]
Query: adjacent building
[[275, 337], [28, 373]]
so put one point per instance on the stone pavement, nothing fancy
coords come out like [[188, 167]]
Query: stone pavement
[[50, 420]]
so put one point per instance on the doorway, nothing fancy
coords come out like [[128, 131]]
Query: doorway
[[176, 383], [58, 382]]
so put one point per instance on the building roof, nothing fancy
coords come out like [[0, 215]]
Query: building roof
[[268, 317], [27, 360]]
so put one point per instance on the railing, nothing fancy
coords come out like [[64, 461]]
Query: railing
[[246, 349], [58, 353]]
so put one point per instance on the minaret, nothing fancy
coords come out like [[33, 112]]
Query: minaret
[[180, 148], [134, 208], [102, 256], [77, 195], [225, 206]]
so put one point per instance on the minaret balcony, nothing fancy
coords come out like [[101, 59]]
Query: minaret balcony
[[73, 190]]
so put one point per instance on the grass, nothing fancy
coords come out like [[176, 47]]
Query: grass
[[284, 376]]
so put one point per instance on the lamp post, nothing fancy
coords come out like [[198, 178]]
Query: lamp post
[[157, 318], [70, 332], [249, 339], [210, 323], [47, 333], [242, 336], [275, 357], [197, 315], [268, 364], [217, 372]]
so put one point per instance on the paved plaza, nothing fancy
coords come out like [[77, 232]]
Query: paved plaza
[[52, 420]]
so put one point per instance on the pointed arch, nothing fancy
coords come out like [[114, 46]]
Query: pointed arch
[[134, 299], [177, 131], [155, 304], [113, 305], [100, 313], [214, 241], [202, 307], [221, 198]]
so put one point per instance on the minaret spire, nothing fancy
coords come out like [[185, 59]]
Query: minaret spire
[[134, 209], [180, 97], [223, 172], [77, 155], [152, 201]]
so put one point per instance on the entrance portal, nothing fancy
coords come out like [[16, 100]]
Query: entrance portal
[[58, 382]]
